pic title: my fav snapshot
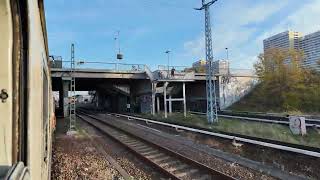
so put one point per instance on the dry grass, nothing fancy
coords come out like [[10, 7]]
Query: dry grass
[[256, 129]]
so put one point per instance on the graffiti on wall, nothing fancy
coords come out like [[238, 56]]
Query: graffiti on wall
[[232, 89], [145, 103]]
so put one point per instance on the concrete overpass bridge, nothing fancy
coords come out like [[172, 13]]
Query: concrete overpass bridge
[[118, 84]]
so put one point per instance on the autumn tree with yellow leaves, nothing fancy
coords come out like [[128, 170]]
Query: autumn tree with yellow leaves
[[284, 84]]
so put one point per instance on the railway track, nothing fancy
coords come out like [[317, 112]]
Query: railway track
[[262, 118], [274, 144], [171, 163]]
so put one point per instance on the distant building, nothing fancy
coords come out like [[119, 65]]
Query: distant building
[[55, 61], [221, 66], [309, 44], [199, 63], [285, 40]]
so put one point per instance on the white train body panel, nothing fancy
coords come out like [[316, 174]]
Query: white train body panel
[[38, 116], [6, 83]]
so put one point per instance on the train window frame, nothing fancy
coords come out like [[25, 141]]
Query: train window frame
[[43, 24], [45, 109]]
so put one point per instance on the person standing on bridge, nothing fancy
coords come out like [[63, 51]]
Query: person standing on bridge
[[172, 72]]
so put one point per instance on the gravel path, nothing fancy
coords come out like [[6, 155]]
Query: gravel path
[[77, 158]]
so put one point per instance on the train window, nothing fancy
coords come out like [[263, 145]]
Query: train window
[[45, 113]]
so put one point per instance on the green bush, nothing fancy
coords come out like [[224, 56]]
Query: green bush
[[283, 86]]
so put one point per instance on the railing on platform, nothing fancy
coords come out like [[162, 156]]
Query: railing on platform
[[174, 73], [163, 72], [116, 67], [232, 72], [219, 71], [176, 68], [242, 72]]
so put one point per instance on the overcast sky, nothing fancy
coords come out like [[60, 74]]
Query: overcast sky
[[148, 28]]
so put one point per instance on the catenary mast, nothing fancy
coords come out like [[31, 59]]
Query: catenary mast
[[212, 110], [72, 105]]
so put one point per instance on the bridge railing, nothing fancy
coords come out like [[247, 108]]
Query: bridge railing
[[232, 72], [235, 71], [176, 68], [165, 74], [243, 72], [116, 67]]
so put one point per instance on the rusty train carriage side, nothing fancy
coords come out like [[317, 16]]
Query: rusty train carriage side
[[26, 104]]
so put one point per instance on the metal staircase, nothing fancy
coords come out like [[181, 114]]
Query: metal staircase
[[149, 73]]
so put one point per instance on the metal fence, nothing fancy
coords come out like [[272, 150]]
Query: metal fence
[[56, 62], [176, 68], [242, 72], [117, 67], [233, 71]]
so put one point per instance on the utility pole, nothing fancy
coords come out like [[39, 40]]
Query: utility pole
[[227, 51], [72, 103], [117, 44], [168, 55], [212, 109]]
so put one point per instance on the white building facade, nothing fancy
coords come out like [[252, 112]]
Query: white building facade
[[285, 40], [310, 44]]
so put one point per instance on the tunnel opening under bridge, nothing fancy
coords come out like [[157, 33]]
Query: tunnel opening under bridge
[[111, 95]]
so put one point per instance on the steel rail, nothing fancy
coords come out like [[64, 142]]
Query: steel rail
[[308, 124], [165, 150], [129, 148], [307, 116], [252, 140]]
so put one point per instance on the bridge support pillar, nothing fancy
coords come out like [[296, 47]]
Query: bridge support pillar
[[158, 104], [170, 104], [97, 99], [154, 85], [165, 99], [65, 91], [184, 100], [61, 105]]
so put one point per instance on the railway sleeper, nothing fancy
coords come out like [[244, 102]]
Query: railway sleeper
[[173, 169], [159, 160], [144, 149], [140, 146], [134, 144], [175, 166], [204, 177], [150, 152], [155, 156]]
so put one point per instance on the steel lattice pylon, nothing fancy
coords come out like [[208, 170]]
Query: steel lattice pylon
[[212, 109], [72, 103]]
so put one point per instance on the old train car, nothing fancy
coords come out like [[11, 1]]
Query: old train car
[[26, 104]]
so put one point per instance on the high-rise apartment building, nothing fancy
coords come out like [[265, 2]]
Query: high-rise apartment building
[[285, 40], [310, 44]]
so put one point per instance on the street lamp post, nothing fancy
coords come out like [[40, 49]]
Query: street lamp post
[[168, 55], [227, 51]]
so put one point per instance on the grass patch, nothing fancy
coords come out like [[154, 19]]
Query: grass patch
[[81, 133], [263, 130]]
